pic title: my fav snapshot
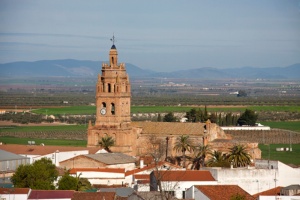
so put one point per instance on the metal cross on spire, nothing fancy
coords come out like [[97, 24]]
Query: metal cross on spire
[[113, 39]]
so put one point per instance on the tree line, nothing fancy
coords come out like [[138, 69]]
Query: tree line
[[248, 118]]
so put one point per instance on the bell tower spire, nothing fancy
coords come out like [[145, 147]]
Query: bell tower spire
[[113, 54], [113, 95]]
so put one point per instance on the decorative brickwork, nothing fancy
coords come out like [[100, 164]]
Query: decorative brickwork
[[113, 97]]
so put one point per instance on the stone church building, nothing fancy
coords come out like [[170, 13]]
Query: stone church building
[[113, 94]]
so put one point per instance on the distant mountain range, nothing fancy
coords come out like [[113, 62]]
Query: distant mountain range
[[85, 68]]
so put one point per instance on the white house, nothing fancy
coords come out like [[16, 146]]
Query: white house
[[139, 178], [101, 176], [177, 182], [264, 176], [14, 193]]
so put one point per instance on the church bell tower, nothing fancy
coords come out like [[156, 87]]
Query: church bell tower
[[113, 95]]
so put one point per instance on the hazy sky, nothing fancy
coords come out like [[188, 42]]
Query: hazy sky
[[161, 35]]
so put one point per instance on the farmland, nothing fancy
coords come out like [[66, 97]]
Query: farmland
[[90, 110], [275, 101], [288, 157]]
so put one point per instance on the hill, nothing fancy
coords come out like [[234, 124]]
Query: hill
[[86, 68]]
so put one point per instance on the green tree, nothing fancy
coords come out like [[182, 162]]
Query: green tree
[[83, 184], [191, 115], [218, 159], [159, 117], [241, 93], [199, 159], [183, 144], [213, 118], [169, 117], [107, 142], [68, 182], [239, 156], [205, 115], [248, 118], [39, 175]]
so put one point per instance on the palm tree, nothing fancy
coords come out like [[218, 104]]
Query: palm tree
[[218, 159], [199, 159], [107, 142], [238, 156], [183, 144]]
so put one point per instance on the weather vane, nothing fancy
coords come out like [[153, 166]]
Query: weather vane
[[113, 39]]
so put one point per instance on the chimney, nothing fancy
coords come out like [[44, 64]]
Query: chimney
[[141, 163]]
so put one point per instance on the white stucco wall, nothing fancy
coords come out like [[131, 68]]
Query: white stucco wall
[[287, 175], [179, 187], [279, 198], [103, 178], [252, 128], [14, 196], [255, 180], [194, 193], [251, 180], [30, 156]]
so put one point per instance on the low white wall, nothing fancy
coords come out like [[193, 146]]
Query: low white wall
[[251, 180], [14, 196], [255, 180], [252, 128], [279, 198]]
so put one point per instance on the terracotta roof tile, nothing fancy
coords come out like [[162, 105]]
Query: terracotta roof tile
[[270, 192], [43, 150], [168, 128], [142, 176], [222, 192], [186, 175], [51, 194], [110, 170], [14, 190], [93, 196], [149, 167]]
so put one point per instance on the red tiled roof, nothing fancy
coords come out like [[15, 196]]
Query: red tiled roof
[[51, 194], [270, 192], [186, 175], [109, 170], [151, 166], [222, 192], [142, 176], [14, 190], [93, 196], [43, 150]]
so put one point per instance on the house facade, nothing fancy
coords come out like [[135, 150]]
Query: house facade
[[177, 182]]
